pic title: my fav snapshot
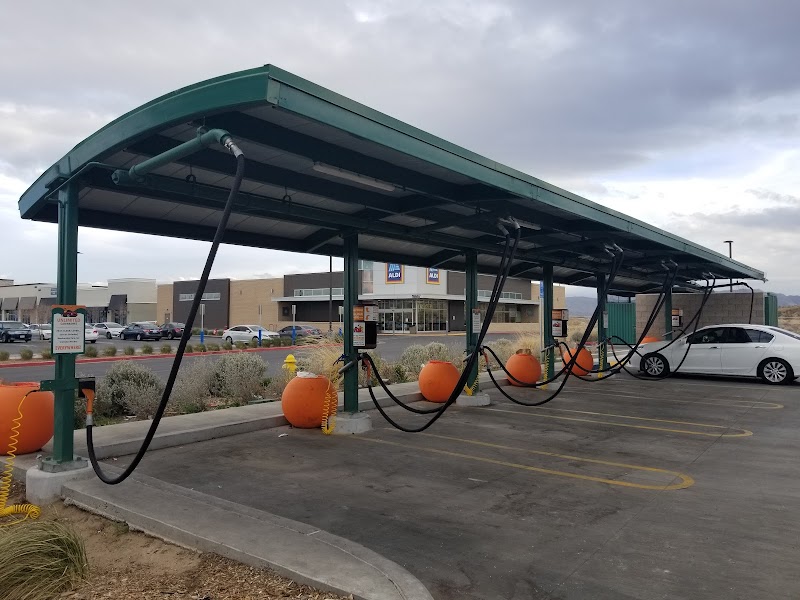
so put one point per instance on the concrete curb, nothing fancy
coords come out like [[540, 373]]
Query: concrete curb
[[299, 551]]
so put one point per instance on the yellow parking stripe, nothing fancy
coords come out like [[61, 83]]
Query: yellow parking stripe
[[743, 432], [685, 480], [654, 400]]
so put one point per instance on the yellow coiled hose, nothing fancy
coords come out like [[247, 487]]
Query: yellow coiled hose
[[331, 404], [28, 510]]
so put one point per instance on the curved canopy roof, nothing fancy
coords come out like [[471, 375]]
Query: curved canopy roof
[[321, 166]]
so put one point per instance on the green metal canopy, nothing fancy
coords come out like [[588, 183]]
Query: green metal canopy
[[321, 167]]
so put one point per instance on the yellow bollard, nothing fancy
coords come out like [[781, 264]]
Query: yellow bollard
[[290, 363]]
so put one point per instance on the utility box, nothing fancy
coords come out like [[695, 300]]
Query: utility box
[[365, 326], [560, 317], [677, 317]]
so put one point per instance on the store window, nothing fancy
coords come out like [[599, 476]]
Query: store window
[[367, 281]]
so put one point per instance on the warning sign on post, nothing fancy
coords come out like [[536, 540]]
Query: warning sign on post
[[359, 334], [476, 320], [69, 325]]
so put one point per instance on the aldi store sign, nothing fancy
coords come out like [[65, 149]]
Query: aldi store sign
[[394, 273], [433, 275]]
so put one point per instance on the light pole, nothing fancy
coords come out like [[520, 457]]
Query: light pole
[[730, 255]]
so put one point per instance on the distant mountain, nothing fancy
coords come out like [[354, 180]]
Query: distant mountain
[[784, 300], [581, 306]]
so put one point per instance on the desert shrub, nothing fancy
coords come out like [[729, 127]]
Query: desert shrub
[[253, 343], [193, 387], [504, 348], [195, 331], [226, 346], [47, 355], [200, 348], [213, 347], [415, 356], [129, 351], [4, 355], [110, 351], [130, 388], [166, 349], [91, 351], [320, 361], [26, 354], [147, 349], [41, 559], [239, 377], [189, 348], [399, 373], [241, 345]]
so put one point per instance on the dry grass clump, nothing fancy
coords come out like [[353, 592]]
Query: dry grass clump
[[39, 560]]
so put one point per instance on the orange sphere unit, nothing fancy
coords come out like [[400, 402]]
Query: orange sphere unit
[[524, 367], [36, 424], [437, 380], [303, 401], [583, 364]]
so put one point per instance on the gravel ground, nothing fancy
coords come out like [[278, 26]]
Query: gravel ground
[[126, 565]]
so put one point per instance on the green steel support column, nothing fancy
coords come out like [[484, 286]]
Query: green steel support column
[[350, 299], [602, 350], [67, 294], [547, 320], [668, 315], [471, 303]]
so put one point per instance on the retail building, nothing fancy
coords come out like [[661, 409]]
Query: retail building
[[409, 299], [120, 300]]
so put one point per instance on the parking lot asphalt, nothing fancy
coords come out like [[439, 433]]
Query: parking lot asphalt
[[686, 488]]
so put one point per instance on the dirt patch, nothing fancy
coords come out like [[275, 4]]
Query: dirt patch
[[126, 565]]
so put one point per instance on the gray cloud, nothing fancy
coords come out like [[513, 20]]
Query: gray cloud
[[553, 88]]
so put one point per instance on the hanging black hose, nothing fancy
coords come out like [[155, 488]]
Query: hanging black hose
[[502, 274], [187, 332], [633, 350], [696, 320], [616, 264], [667, 285]]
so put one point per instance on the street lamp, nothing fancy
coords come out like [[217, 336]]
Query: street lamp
[[730, 255]]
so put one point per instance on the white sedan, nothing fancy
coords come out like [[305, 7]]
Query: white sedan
[[771, 353], [91, 334], [108, 329], [42, 330], [246, 333]]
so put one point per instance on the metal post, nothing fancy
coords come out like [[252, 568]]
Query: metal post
[[730, 255], [350, 299], [471, 304], [547, 321], [602, 350], [330, 295], [65, 383], [668, 315]]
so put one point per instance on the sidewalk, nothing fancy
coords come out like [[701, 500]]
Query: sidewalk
[[189, 518]]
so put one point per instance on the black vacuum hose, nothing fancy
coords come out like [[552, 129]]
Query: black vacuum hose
[[187, 332]]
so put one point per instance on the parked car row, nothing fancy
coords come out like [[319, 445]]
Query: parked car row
[[11, 331]]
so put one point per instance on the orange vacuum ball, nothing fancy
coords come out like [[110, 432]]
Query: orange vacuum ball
[[437, 380], [36, 424], [523, 367], [303, 400], [583, 364]]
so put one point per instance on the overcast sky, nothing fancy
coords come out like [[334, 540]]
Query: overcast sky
[[683, 114]]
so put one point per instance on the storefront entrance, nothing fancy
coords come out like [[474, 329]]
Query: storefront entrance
[[398, 316]]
